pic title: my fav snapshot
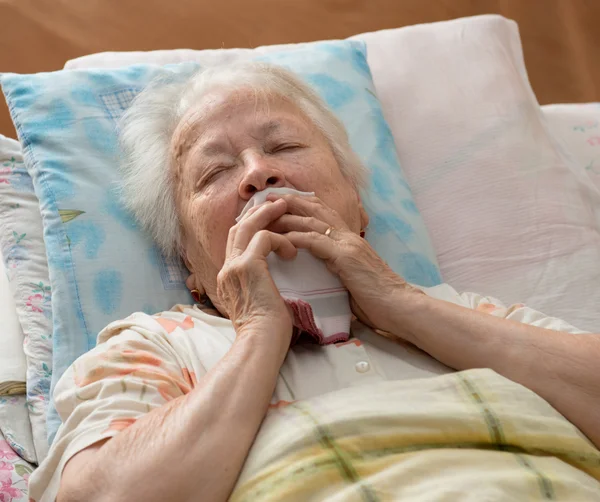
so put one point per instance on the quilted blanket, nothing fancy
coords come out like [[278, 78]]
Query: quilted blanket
[[468, 436]]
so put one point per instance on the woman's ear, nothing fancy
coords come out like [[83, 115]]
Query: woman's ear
[[193, 282]]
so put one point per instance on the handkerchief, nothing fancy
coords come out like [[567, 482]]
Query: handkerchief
[[317, 298]]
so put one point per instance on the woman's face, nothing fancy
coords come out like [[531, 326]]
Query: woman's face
[[231, 146]]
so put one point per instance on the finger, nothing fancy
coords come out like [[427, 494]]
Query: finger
[[310, 206], [265, 242], [300, 205], [294, 223], [241, 234], [289, 196], [234, 228], [253, 209], [318, 244]]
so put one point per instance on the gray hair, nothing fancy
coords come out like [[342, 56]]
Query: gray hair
[[147, 128]]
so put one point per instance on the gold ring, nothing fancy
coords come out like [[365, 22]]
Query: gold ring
[[328, 231]]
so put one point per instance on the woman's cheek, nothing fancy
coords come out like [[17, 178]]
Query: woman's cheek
[[217, 216]]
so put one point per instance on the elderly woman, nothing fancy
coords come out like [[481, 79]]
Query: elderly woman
[[168, 407]]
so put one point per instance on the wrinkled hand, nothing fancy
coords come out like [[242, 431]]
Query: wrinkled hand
[[245, 288], [372, 284]]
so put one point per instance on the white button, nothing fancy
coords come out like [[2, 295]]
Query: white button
[[362, 366]]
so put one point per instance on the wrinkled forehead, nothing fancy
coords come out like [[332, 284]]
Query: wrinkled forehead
[[261, 111]]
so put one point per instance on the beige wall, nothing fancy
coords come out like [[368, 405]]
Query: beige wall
[[561, 38]]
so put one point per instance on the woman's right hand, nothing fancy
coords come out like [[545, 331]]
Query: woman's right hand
[[245, 289], [233, 395]]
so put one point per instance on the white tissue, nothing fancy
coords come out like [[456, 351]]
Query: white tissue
[[260, 197], [317, 296]]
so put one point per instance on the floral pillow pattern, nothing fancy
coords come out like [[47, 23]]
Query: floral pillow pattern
[[24, 253], [14, 474]]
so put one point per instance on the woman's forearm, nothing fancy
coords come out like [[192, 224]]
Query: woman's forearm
[[194, 447], [560, 367]]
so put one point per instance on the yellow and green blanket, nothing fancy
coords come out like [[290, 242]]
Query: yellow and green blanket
[[468, 436]]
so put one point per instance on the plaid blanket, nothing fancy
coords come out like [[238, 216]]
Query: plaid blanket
[[473, 435]]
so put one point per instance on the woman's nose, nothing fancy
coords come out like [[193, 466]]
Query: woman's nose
[[260, 173]]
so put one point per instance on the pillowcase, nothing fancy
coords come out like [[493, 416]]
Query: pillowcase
[[507, 211], [13, 366], [102, 267], [15, 427], [24, 255], [15, 474]]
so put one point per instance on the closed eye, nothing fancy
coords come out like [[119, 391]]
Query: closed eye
[[210, 175], [284, 147]]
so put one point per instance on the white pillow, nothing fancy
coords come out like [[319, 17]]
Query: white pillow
[[507, 212]]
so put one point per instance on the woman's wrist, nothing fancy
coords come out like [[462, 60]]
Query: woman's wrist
[[405, 307], [270, 338]]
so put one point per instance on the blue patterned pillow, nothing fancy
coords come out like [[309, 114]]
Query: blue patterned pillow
[[101, 266]]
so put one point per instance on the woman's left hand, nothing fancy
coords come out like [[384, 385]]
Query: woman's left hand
[[373, 285]]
